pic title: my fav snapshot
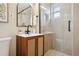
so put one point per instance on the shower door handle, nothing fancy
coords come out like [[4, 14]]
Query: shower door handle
[[69, 25]]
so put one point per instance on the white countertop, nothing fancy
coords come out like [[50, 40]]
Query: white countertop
[[29, 35], [32, 34]]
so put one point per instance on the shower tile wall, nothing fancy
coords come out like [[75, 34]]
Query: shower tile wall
[[63, 41], [57, 29]]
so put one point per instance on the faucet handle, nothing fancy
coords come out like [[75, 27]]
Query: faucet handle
[[30, 26]]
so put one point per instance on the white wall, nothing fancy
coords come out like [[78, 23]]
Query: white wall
[[35, 19], [76, 29], [10, 29]]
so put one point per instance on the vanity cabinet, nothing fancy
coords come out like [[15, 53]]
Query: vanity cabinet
[[30, 46], [40, 46]]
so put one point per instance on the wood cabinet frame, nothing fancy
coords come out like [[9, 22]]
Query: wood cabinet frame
[[22, 42]]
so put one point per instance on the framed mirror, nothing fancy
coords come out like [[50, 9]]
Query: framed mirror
[[24, 14]]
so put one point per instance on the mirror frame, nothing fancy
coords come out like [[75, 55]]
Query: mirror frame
[[17, 17]]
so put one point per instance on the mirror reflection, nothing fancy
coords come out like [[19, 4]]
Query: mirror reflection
[[24, 14]]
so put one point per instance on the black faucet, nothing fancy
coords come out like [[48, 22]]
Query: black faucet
[[27, 31]]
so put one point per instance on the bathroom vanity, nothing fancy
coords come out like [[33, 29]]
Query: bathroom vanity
[[30, 45]]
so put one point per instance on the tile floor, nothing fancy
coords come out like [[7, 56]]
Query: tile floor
[[55, 53]]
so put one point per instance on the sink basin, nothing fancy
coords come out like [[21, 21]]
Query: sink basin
[[28, 35]]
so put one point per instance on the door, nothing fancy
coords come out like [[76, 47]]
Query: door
[[31, 47], [40, 46], [68, 27]]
